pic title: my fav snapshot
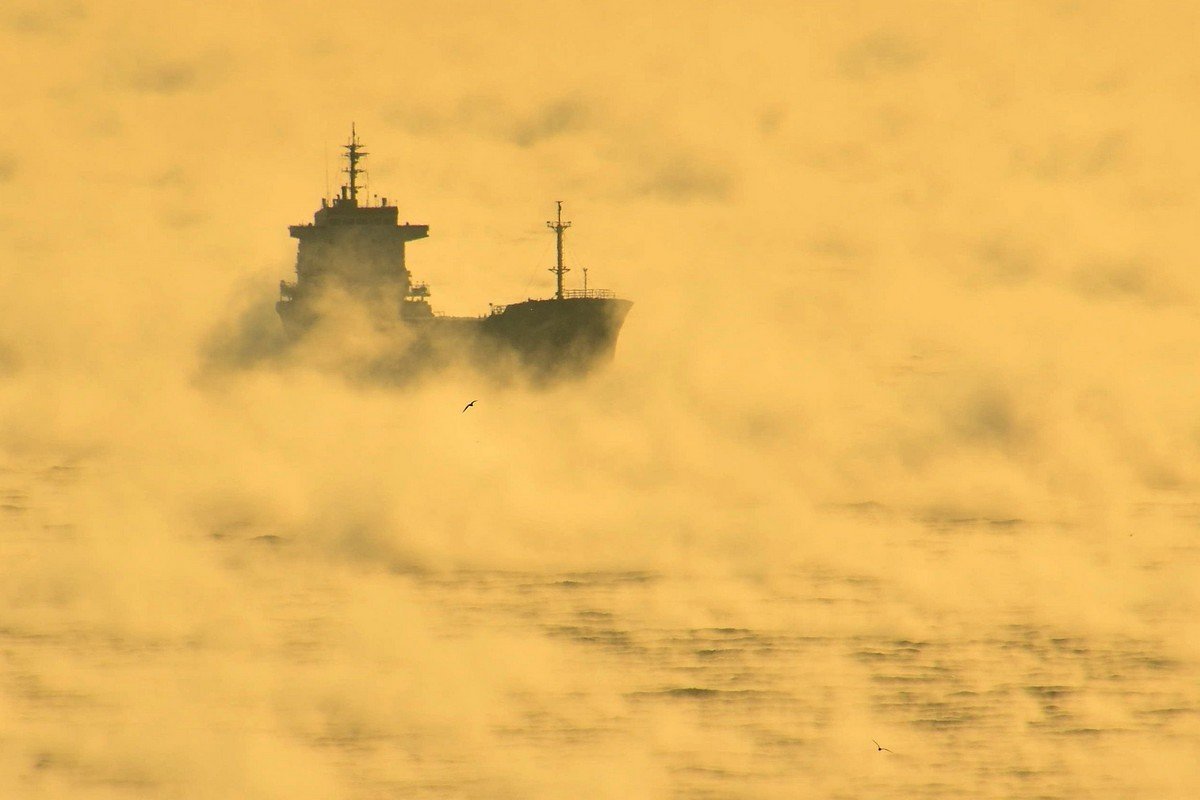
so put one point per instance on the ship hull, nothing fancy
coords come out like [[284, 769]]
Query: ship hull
[[538, 340], [569, 336]]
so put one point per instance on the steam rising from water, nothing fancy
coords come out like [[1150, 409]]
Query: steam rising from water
[[899, 444]]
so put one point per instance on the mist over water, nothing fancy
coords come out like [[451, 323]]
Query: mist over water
[[900, 442]]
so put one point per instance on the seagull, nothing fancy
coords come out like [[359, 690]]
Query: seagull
[[879, 748], [468, 405]]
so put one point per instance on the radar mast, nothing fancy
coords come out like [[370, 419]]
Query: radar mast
[[354, 153]]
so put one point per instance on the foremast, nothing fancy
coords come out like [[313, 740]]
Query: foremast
[[558, 226]]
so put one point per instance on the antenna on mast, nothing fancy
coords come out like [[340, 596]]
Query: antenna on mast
[[353, 154], [558, 227]]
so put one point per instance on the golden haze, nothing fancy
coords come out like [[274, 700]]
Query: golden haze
[[912, 361]]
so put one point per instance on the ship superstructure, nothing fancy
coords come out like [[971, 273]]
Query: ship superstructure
[[354, 253]]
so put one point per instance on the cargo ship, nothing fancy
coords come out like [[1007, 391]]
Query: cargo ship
[[353, 253]]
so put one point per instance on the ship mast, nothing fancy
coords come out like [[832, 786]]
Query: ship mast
[[558, 227], [354, 152]]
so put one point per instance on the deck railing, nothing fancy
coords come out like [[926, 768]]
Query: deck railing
[[604, 294], [569, 294]]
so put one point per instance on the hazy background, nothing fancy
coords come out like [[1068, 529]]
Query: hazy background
[[901, 441]]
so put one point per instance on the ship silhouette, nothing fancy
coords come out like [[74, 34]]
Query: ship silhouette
[[354, 253]]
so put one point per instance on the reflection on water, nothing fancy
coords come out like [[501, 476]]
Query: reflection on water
[[343, 681]]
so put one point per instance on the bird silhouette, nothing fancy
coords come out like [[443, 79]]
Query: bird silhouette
[[468, 405], [880, 748]]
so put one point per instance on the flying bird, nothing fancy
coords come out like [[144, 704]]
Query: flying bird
[[880, 748], [468, 405]]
